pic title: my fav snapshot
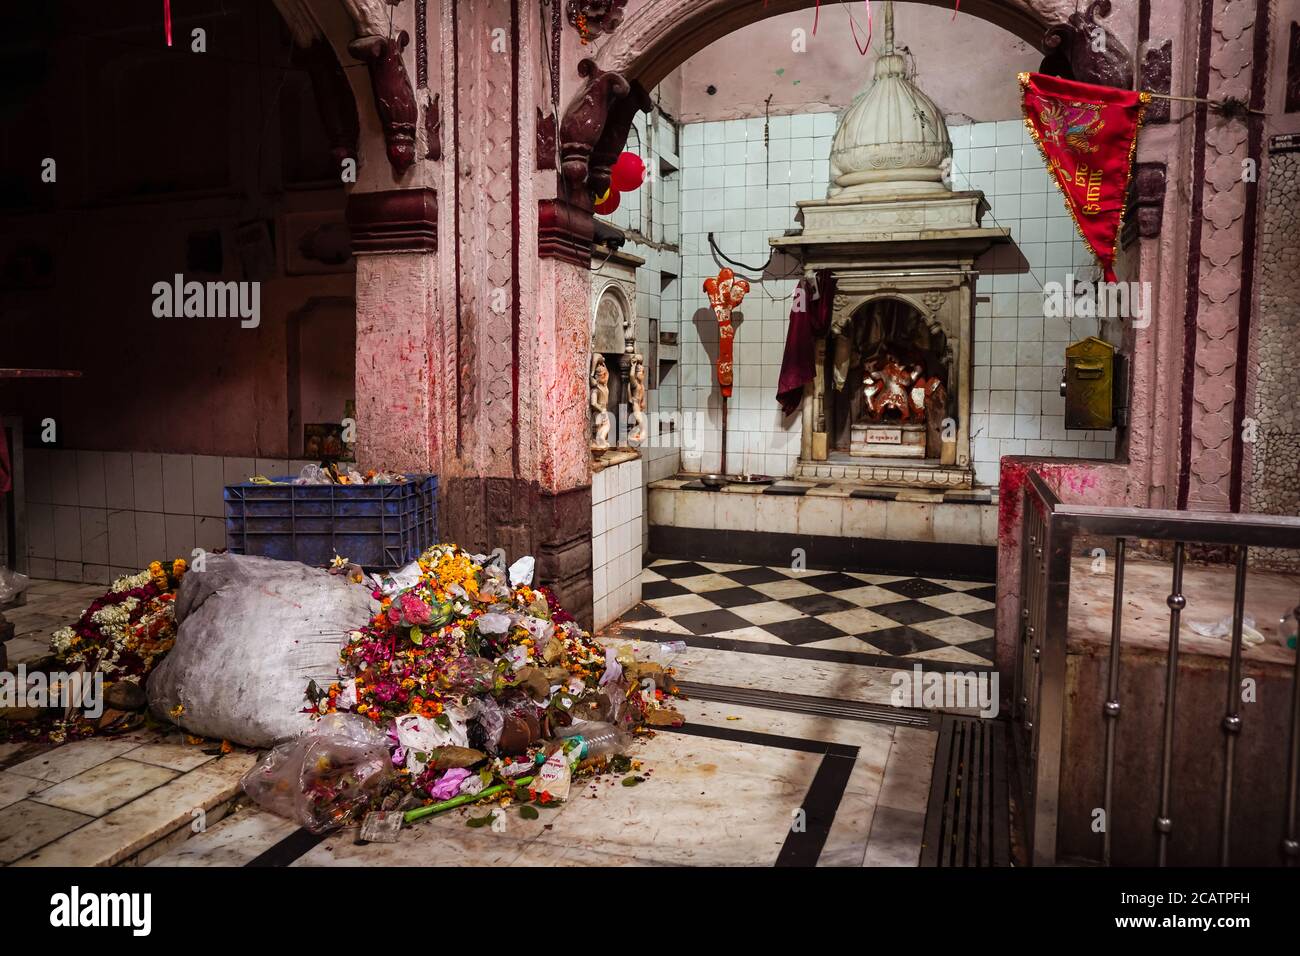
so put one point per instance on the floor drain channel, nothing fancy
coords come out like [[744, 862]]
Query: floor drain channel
[[803, 704]]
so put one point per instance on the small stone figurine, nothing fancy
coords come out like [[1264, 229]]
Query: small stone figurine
[[599, 402], [637, 430]]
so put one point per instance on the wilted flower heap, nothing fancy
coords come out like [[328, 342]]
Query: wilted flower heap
[[125, 632], [460, 631], [459, 658]]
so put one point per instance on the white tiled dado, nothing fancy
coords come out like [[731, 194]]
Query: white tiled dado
[[617, 521], [95, 515], [828, 515]]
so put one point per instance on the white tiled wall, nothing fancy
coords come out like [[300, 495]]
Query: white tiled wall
[[1017, 406], [744, 190], [616, 534], [92, 515]]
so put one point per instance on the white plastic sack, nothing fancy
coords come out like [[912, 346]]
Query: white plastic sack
[[253, 632]]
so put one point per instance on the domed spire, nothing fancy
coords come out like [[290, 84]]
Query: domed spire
[[892, 140]]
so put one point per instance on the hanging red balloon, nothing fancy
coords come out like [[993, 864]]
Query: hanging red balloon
[[628, 172], [607, 203]]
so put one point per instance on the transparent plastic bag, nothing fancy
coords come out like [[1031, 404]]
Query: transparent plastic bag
[[12, 584], [313, 475], [327, 777]]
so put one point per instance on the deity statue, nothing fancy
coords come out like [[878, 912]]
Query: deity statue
[[725, 293], [896, 389], [599, 401], [637, 426]]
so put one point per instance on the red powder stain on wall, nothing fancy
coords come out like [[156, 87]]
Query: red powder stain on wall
[[1068, 481]]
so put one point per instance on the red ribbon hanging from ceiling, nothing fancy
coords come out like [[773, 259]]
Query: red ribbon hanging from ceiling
[[167, 20]]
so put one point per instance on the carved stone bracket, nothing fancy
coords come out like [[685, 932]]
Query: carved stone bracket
[[545, 140], [1084, 50], [1157, 77], [1147, 198], [394, 96], [594, 128]]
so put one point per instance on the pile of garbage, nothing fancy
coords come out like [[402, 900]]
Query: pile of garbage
[[109, 651], [468, 683], [329, 473]]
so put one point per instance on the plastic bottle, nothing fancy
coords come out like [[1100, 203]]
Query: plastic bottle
[[594, 739]]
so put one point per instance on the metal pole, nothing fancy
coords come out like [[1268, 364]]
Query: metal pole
[[722, 468], [1232, 715], [1291, 841], [1176, 602], [1111, 708]]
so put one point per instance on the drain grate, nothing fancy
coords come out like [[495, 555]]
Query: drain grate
[[968, 818], [803, 704]]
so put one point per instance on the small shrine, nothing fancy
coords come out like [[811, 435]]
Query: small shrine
[[893, 374]]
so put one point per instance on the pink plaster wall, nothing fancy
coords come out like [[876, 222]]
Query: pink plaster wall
[[399, 393], [965, 64]]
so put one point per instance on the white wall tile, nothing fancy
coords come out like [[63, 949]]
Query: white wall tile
[[90, 479], [146, 472]]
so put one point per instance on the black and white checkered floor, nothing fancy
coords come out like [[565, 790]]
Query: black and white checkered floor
[[922, 619]]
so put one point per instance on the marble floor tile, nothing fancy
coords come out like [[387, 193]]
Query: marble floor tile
[[174, 756], [906, 783], [105, 787], [869, 595], [423, 844], [680, 604], [858, 620], [26, 826], [70, 759], [781, 590], [895, 838], [703, 583], [957, 603], [15, 787], [121, 833], [707, 802], [233, 841]]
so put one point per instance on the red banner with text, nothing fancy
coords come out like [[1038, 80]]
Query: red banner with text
[[1087, 135]]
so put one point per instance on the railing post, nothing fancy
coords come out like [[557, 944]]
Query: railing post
[[1050, 650]]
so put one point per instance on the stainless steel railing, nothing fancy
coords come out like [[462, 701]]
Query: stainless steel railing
[[1048, 532]]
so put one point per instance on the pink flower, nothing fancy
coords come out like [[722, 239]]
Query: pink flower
[[414, 610]]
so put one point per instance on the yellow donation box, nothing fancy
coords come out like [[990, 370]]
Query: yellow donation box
[[1089, 384]]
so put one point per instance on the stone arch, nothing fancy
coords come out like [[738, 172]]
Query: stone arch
[[659, 36], [925, 316], [614, 289]]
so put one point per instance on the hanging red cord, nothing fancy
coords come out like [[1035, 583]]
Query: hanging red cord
[[853, 26], [167, 20], [956, 6]]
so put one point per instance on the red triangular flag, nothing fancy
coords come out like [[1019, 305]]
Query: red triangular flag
[[1087, 135]]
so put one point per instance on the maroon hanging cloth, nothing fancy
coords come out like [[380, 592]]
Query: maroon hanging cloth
[[798, 365]]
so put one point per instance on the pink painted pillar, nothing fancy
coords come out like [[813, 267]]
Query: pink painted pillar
[[401, 407]]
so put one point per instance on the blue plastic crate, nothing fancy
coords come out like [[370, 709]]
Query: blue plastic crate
[[375, 526]]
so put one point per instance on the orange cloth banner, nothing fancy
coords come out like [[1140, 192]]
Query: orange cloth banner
[[1087, 135]]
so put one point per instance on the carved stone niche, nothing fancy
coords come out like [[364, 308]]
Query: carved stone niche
[[613, 335], [915, 257]]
